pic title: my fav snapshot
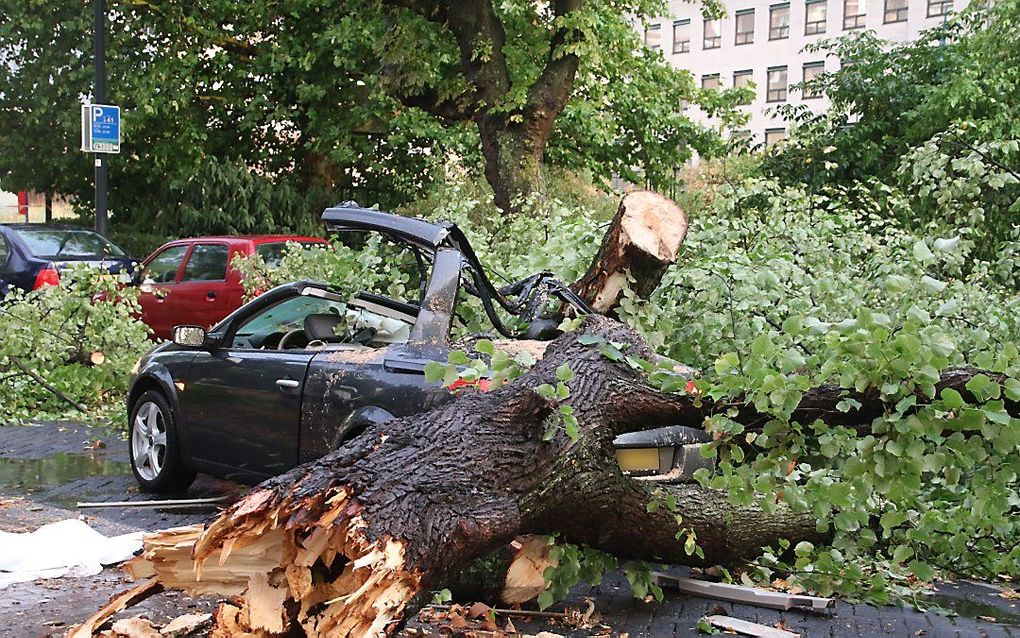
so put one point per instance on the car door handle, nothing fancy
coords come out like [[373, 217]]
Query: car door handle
[[287, 384], [211, 294]]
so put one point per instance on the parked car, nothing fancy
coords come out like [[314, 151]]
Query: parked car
[[191, 281], [32, 255], [299, 370]]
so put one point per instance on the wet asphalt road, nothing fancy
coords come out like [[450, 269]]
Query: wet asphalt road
[[46, 469]]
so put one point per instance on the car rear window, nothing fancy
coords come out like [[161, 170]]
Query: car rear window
[[50, 243], [272, 254]]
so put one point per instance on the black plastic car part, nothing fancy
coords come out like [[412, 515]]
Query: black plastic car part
[[525, 299]]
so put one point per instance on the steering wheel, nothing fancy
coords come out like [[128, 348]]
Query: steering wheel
[[287, 338]]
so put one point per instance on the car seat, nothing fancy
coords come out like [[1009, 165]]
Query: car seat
[[322, 328]]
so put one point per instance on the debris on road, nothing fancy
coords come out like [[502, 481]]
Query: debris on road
[[742, 594], [185, 625], [64, 548], [748, 628], [117, 603], [136, 627]]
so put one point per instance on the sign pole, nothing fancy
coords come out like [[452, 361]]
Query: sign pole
[[99, 6]]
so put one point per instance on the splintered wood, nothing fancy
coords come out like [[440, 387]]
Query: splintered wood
[[643, 240], [267, 554]]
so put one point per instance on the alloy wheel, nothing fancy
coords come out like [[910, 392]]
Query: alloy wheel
[[148, 441]]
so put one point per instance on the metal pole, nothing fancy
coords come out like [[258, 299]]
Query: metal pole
[[99, 6]]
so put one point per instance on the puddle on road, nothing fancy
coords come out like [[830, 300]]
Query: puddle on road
[[967, 608], [63, 467]]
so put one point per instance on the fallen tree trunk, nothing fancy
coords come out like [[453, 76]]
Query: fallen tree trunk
[[343, 546], [349, 545]]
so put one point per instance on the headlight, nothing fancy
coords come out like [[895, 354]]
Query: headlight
[[640, 459]]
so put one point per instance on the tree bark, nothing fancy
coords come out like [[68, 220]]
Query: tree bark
[[345, 546]]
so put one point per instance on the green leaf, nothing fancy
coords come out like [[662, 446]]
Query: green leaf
[[564, 373], [590, 340], [434, 371], [922, 253], [902, 553], [485, 346], [803, 548], [545, 600], [952, 399], [923, 571]]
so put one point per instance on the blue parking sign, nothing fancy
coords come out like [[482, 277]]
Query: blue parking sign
[[100, 128]]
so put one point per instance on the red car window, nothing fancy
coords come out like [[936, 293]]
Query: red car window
[[162, 268], [272, 253], [208, 262]]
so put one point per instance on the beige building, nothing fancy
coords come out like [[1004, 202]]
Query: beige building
[[761, 41]]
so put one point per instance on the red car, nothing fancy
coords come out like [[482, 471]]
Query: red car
[[191, 281]]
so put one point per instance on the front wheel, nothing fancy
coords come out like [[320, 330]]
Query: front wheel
[[154, 446]]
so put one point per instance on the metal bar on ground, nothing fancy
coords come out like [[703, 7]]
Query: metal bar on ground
[[749, 628], [741, 594], [183, 502]]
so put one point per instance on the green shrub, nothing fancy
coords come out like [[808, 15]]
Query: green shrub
[[54, 333]]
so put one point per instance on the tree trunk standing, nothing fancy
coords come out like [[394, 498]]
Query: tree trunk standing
[[352, 540], [513, 161], [513, 134], [48, 198], [642, 242]]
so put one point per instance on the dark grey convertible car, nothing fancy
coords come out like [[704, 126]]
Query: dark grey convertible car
[[297, 371]]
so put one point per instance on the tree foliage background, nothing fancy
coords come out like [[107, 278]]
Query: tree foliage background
[[251, 117]]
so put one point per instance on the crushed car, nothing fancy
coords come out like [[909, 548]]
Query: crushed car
[[303, 368]]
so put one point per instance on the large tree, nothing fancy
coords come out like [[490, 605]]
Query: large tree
[[225, 102]]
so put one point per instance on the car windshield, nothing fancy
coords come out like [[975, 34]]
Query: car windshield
[[290, 315], [70, 244]]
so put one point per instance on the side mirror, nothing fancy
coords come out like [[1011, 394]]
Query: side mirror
[[189, 336]]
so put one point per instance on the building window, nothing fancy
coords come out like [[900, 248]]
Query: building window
[[779, 21], [710, 81], [745, 26], [742, 78], [776, 84], [895, 11], [713, 38], [682, 36], [741, 138], [938, 8], [811, 71], [814, 17], [653, 37], [854, 13], [774, 136]]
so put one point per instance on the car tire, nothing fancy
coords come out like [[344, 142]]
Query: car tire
[[154, 446]]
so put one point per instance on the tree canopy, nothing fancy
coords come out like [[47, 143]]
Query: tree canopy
[[239, 117]]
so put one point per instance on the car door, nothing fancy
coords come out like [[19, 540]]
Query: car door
[[200, 297], [158, 279], [241, 403]]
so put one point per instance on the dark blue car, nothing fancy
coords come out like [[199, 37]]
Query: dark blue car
[[32, 255]]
